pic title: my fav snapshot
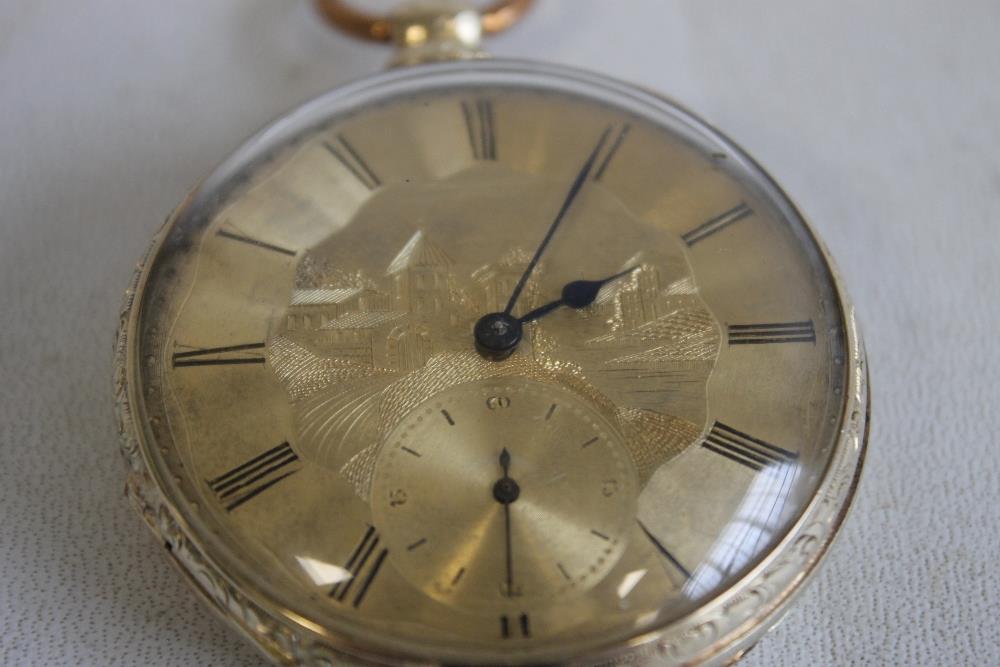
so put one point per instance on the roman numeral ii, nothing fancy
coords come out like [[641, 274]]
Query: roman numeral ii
[[352, 161], [363, 565], [246, 353]]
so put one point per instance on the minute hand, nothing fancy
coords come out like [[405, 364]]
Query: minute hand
[[581, 178]]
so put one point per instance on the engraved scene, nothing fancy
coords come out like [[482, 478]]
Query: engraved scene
[[357, 350]]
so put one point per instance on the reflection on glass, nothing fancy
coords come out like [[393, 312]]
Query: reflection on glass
[[629, 582], [754, 523], [323, 574]]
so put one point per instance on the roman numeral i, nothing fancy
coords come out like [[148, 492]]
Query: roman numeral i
[[257, 243], [664, 551]]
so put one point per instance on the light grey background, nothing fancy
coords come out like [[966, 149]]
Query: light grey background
[[881, 118]]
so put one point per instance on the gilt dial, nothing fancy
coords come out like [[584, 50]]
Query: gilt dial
[[493, 363]]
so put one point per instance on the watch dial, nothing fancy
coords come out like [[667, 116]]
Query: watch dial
[[322, 417]]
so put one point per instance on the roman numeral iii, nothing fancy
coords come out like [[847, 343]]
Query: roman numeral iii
[[479, 122], [257, 475], [362, 566], [745, 449], [509, 626], [779, 332]]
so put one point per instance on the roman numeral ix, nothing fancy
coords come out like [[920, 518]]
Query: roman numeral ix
[[257, 475], [780, 332], [363, 565], [745, 449], [479, 122], [246, 353], [717, 224]]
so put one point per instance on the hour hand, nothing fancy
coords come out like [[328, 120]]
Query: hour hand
[[577, 294]]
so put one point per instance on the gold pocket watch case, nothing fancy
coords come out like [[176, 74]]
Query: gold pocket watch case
[[492, 362]]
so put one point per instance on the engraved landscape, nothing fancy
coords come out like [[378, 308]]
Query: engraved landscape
[[356, 352]]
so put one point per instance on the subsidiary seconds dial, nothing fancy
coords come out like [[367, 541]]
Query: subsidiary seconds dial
[[504, 493]]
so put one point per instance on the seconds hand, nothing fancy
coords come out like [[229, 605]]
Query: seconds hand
[[497, 334], [506, 491]]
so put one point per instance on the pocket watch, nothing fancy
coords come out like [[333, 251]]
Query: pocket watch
[[487, 362]]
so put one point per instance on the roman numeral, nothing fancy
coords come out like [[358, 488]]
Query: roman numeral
[[717, 224], [780, 332], [664, 552], [482, 131], [745, 449], [507, 626], [257, 475], [345, 153], [619, 138], [363, 565], [233, 236], [220, 356]]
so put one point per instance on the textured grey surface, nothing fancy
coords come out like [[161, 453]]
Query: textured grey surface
[[881, 118]]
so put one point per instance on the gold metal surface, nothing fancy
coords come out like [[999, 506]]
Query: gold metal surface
[[495, 18], [310, 429]]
